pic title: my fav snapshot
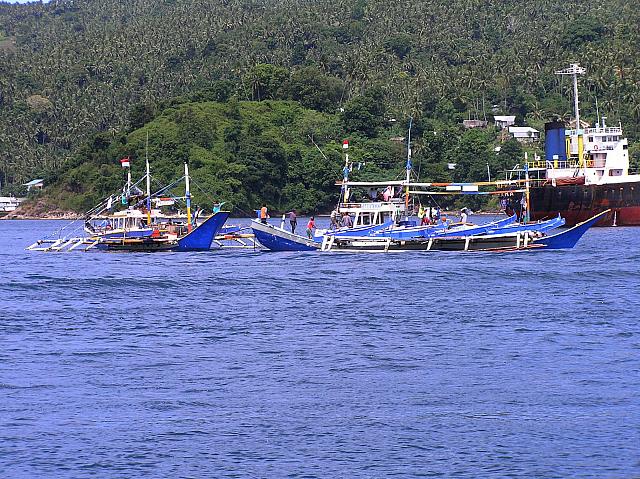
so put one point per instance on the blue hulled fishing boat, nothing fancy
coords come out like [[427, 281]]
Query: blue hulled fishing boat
[[139, 226], [274, 238], [387, 225], [511, 241]]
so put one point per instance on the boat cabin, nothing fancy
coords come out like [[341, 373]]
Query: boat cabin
[[373, 213], [135, 219]]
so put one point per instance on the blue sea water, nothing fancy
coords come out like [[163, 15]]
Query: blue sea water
[[250, 364]]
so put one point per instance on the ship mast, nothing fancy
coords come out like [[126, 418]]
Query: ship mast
[[574, 70]]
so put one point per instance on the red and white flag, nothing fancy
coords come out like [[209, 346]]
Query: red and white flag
[[125, 162], [345, 144]]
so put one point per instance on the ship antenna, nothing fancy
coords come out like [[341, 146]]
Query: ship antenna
[[574, 70], [597, 112]]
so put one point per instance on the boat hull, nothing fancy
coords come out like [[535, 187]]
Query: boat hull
[[277, 239], [199, 239], [470, 243], [522, 240], [577, 203]]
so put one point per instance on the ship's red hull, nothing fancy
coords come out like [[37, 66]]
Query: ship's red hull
[[577, 203]]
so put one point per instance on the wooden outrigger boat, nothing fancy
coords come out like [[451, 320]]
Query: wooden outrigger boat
[[379, 226], [139, 227], [512, 241]]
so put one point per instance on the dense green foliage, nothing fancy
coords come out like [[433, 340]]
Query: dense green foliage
[[242, 153], [278, 152], [79, 71]]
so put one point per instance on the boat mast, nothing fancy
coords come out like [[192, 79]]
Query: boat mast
[[408, 178], [127, 191], [187, 195], [146, 155], [527, 195], [345, 172], [574, 70]]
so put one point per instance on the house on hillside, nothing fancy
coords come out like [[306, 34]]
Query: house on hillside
[[34, 185], [524, 134], [474, 123], [503, 122]]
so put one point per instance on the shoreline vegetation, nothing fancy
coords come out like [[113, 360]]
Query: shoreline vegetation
[[261, 117], [70, 215]]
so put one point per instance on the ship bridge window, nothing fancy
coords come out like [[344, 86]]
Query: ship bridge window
[[590, 139], [615, 172], [625, 147]]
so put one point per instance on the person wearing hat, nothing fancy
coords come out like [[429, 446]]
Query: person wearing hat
[[463, 216]]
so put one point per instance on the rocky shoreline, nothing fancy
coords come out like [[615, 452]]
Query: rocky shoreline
[[51, 216], [40, 210]]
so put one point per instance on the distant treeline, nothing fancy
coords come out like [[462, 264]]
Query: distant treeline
[[75, 71]]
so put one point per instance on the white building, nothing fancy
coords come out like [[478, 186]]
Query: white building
[[524, 134], [34, 184], [9, 204], [504, 121]]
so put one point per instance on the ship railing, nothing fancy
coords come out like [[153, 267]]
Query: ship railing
[[614, 130], [373, 205], [554, 164], [566, 165]]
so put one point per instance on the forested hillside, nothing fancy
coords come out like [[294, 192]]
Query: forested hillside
[[72, 69]]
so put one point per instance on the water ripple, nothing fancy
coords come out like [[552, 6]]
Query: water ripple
[[243, 364]]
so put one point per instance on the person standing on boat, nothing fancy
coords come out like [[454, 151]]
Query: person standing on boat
[[334, 219], [311, 225], [293, 221], [388, 193], [346, 220], [263, 213], [463, 216]]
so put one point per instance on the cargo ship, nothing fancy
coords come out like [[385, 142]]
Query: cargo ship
[[585, 171]]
